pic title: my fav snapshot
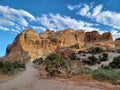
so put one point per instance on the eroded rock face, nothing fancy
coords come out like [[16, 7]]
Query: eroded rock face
[[117, 39], [107, 36], [30, 45], [92, 37]]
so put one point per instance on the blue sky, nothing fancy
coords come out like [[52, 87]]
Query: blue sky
[[88, 15]]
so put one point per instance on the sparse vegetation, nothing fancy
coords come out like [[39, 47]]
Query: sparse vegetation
[[8, 67], [103, 57], [92, 60], [38, 61], [79, 52], [95, 50], [110, 75], [54, 64], [73, 56], [115, 63]]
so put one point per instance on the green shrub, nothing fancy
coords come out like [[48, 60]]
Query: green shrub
[[38, 61], [18, 64], [115, 63], [104, 57], [92, 60], [95, 50], [73, 56], [8, 67], [1, 64], [54, 63], [105, 67], [110, 75], [79, 52]]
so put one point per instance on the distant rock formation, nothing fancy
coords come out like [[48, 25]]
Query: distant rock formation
[[30, 45]]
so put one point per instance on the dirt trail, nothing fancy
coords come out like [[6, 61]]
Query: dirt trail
[[29, 80]]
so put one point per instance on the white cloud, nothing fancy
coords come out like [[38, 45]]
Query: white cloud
[[85, 10], [4, 28], [5, 10], [39, 28], [58, 22], [17, 20], [4, 21], [12, 18], [15, 31], [97, 10], [105, 17], [72, 7], [115, 34]]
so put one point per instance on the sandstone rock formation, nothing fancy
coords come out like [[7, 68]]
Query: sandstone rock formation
[[30, 45], [92, 36], [107, 36], [117, 39]]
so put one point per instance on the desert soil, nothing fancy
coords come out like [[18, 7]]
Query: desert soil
[[30, 80]]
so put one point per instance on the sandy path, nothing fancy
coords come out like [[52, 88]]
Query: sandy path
[[29, 80]]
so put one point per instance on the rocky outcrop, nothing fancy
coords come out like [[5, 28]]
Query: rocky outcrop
[[107, 36], [92, 37], [117, 39], [30, 45], [95, 36]]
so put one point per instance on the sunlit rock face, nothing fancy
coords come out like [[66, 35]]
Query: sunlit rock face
[[29, 45]]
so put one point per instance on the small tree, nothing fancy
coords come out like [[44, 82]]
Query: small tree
[[73, 56], [8, 67], [54, 64], [115, 63], [92, 60], [104, 57]]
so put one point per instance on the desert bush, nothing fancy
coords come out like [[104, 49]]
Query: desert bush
[[79, 52], [38, 61], [110, 75], [1, 64], [73, 56], [54, 64], [95, 50], [17, 64], [9, 67], [105, 67], [115, 63], [92, 60], [104, 57]]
